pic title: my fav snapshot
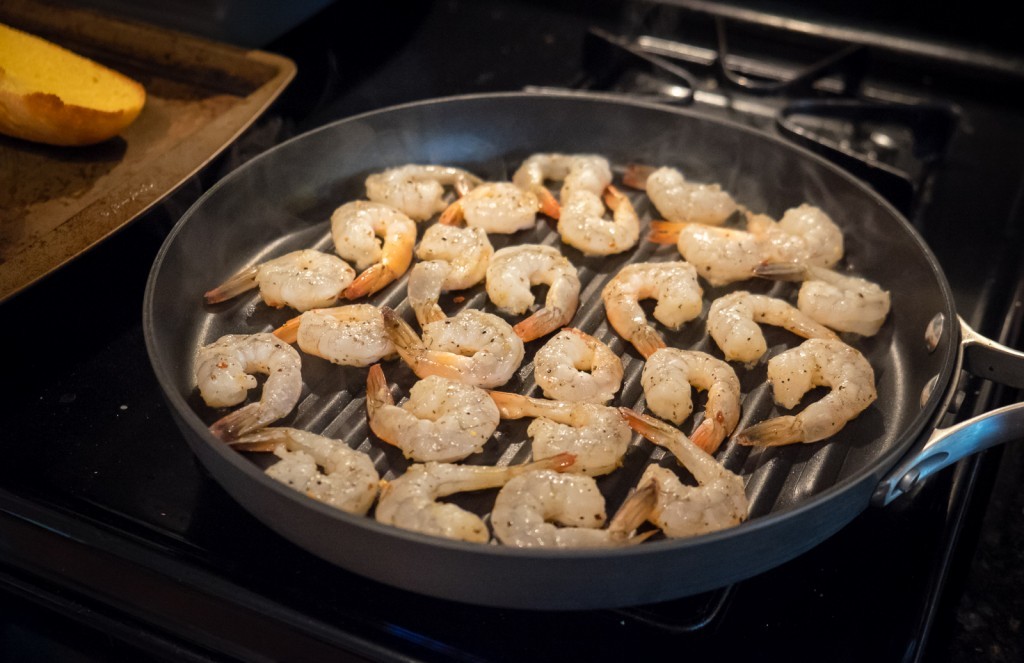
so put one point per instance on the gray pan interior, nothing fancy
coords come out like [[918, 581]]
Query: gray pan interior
[[800, 495]]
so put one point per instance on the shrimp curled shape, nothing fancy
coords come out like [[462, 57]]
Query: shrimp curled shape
[[674, 284], [575, 366], [733, 323], [667, 378], [224, 371], [378, 238], [351, 335], [452, 258], [814, 363], [494, 207], [348, 479], [418, 190], [511, 273], [577, 172], [410, 501], [717, 502], [473, 347], [582, 225], [679, 200], [301, 279], [546, 509], [443, 420]]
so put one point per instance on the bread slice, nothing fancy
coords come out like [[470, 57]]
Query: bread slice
[[50, 95]]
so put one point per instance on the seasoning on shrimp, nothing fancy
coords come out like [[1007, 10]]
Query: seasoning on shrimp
[[679, 200], [494, 207], [577, 172], [452, 258], [418, 190], [583, 226], [378, 238], [733, 321], [301, 279], [514, 270], [351, 335], [575, 366]]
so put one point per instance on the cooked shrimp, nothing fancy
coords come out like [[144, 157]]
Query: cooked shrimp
[[224, 371], [352, 335], [511, 273], [803, 234], [839, 301], [356, 227], [595, 434], [575, 366], [474, 347], [495, 207], [443, 420], [582, 225], [673, 284], [348, 481], [718, 501], [418, 190], [410, 501], [814, 363], [679, 200], [301, 279], [667, 378], [453, 258], [733, 322], [530, 507], [577, 172]]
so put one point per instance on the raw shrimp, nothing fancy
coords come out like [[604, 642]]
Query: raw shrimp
[[582, 225], [814, 363], [301, 279], [410, 501], [224, 371], [718, 501], [595, 434], [349, 481], [356, 227], [418, 190], [530, 507], [679, 200], [495, 207], [352, 335], [474, 347], [577, 172], [667, 379], [443, 420], [453, 258], [673, 284], [841, 302], [733, 323], [511, 273], [575, 366]]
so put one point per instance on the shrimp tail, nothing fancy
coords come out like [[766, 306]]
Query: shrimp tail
[[377, 393], [653, 429], [243, 281], [238, 423], [289, 331], [635, 510], [453, 215], [665, 232], [549, 206], [647, 341], [370, 281], [559, 463], [544, 321], [635, 176], [772, 432], [510, 405], [613, 198], [781, 271], [710, 433]]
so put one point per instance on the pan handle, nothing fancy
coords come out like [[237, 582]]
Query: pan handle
[[983, 358]]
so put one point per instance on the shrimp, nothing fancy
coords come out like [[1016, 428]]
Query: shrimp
[[301, 279], [418, 190], [719, 501], [224, 376], [443, 420], [595, 434], [803, 234], [838, 301], [349, 481], [575, 366], [530, 507], [577, 172], [814, 363], [667, 378], [453, 258], [515, 269], [355, 228], [410, 501], [474, 347], [673, 284], [351, 335], [582, 225], [679, 200], [733, 323], [495, 207]]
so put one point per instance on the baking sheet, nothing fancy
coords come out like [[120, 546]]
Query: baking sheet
[[57, 202]]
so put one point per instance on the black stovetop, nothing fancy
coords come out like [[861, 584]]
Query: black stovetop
[[115, 542]]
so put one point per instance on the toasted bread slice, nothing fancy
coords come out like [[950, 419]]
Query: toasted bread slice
[[50, 95]]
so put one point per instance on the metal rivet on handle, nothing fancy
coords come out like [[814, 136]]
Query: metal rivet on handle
[[933, 334], [926, 393]]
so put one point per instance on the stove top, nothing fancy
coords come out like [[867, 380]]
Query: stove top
[[108, 524]]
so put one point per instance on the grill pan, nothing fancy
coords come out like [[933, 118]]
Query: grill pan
[[799, 494]]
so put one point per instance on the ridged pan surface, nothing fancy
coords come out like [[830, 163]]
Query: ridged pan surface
[[799, 495]]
